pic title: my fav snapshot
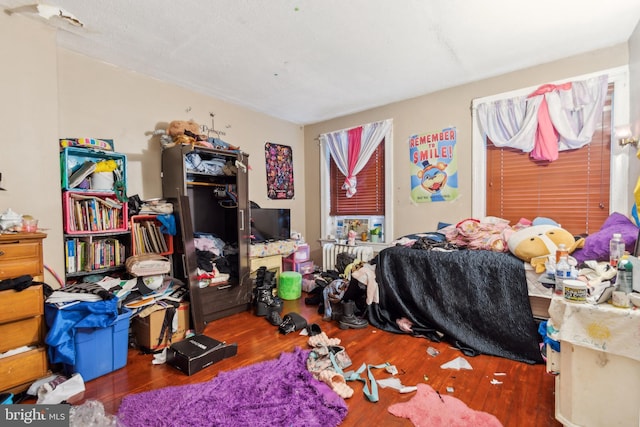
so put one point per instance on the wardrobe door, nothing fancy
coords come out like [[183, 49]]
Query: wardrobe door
[[189, 263]]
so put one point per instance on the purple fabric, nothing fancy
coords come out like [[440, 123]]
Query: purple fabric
[[280, 392], [596, 245]]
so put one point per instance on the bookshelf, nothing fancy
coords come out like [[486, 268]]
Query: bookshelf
[[146, 236], [96, 223]]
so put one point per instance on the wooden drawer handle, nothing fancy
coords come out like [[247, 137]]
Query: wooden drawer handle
[[1, 253]]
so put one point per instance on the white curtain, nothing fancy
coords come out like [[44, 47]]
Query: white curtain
[[511, 122], [338, 144], [574, 112]]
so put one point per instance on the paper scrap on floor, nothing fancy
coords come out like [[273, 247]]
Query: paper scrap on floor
[[457, 363], [396, 384]]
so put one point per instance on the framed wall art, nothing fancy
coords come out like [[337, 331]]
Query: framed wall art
[[279, 166]]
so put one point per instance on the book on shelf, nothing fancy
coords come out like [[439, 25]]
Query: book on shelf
[[159, 244], [107, 201], [70, 252], [90, 213], [161, 240], [148, 238], [87, 254], [139, 239], [153, 239], [81, 173]]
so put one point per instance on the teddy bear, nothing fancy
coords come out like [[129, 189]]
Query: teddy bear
[[182, 127], [182, 132]]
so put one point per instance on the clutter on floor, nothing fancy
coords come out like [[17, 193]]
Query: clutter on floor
[[273, 392], [428, 408], [196, 353]]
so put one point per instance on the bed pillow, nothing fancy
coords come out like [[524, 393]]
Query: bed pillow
[[596, 245]]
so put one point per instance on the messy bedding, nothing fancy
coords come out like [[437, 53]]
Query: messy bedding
[[474, 284], [475, 299]]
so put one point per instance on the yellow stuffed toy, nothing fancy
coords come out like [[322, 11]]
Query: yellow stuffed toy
[[534, 244]]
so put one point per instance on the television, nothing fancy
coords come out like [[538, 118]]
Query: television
[[270, 224]]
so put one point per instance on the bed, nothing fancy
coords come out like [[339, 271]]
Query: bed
[[464, 287], [477, 300]]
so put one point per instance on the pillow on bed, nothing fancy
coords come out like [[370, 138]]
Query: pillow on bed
[[596, 245]]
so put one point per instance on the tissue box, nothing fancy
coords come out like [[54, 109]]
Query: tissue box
[[196, 353]]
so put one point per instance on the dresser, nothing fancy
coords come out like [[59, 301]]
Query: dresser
[[21, 313], [598, 384]]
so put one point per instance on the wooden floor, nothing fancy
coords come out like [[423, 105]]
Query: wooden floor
[[525, 398]]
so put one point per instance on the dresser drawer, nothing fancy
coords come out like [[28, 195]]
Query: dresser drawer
[[16, 305], [17, 259], [21, 332], [220, 297], [22, 368]]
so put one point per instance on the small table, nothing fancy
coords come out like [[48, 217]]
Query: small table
[[599, 379], [271, 262]]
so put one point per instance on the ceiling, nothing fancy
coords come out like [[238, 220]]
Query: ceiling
[[306, 61]]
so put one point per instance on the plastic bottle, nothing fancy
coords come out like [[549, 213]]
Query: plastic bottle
[[616, 249], [563, 272], [561, 251], [624, 279]]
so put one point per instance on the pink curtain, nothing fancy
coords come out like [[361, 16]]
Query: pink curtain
[[554, 118], [354, 136], [352, 148], [546, 144]]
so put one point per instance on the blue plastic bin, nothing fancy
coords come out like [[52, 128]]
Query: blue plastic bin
[[101, 350], [72, 158]]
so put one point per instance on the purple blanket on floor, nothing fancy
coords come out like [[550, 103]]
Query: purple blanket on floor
[[278, 392]]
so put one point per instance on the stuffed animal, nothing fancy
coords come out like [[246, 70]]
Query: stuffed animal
[[182, 132], [534, 244], [182, 127]]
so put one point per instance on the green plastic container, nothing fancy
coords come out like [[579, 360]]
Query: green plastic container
[[290, 285]]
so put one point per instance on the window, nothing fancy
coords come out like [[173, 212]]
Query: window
[[573, 190], [605, 152], [369, 200], [372, 205]]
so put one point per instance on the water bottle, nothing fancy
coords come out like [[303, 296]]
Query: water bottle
[[624, 279], [616, 249], [563, 272]]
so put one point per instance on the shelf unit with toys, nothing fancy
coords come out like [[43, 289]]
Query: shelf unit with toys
[[96, 224]]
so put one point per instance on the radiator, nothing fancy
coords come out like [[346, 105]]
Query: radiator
[[331, 250]]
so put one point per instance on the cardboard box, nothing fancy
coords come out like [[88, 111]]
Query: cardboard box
[[196, 353], [147, 329]]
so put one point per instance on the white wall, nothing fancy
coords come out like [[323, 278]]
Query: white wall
[[450, 107], [634, 108], [50, 93], [29, 113]]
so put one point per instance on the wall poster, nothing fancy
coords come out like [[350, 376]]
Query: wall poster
[[434, 166], [279, 165]]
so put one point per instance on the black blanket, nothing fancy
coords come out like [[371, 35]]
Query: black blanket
[[476, 300]]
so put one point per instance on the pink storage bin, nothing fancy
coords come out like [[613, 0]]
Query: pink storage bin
[[87, 213], [302, 253], [304, 267]]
